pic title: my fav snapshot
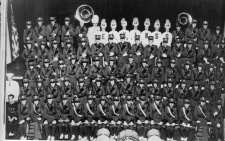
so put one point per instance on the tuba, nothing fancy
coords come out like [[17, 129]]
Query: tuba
[[184, 18], [84, 13]]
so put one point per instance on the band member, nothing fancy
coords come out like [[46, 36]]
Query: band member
[[167, 34], [93, 29], [146, 33], [104, 33], [142, 108], [186, 116], [156, 113], [191, 31], [217, 37], [77, 118], [157, 34], [64, 112], [53, 30], [134, 31], [90, 109], [40, 31], [11, 117], [204, 33], [124, 30], [171, 117], [217, 121], [24, 116], [28, 33], [115, 115], [128, 114], [178, 33], [97, 48], [102, 109], [68, 31], [50, 117], [113, 32], [37, 116], [201, 112]]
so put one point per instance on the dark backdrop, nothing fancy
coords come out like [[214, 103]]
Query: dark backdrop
[[212, 10]]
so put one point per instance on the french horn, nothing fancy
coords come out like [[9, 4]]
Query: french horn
[[84, 13], [184, 18]]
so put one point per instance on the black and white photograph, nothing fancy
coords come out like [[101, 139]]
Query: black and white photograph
[[112, 70]]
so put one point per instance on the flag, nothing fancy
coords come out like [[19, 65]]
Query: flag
[[12, 36]]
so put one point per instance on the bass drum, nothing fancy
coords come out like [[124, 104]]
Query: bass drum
[[128, 135]]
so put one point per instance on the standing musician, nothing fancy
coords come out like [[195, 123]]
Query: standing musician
[[93, 29], [157, 34], [167, 34], [104, 33], [134, 31], [146, 33], [113, 31], [124, 30]]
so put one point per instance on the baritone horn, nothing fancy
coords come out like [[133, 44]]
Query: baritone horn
[[184, 18], [84, 13]]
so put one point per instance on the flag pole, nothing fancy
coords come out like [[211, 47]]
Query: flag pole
[[3, 67]]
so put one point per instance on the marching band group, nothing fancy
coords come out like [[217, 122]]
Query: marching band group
[[80, 79]]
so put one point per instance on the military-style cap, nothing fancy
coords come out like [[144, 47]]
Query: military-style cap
[[206, 42], [187, 101], [141, 81], [144, 60], [158, 97], [142, 97], [84, 60], [218, 27], [159, 61], [25, 80], [52, 19], [67, 19], [64, 97], [172, 61], [55, 42], [49, 96], [43, 42], [171, 100], [28, 23], [189, 42], [205, 22], [194, 21], [202, 99], [219, 102], [40, 19], [103, 98], [11, 95], [28, 42], [36, 97], [23, 97], [128, 98], [116, 98], [75, 100], [90, 97]]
